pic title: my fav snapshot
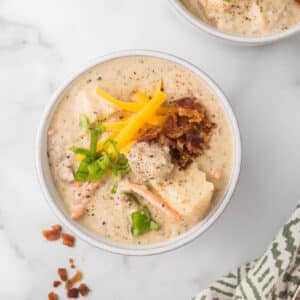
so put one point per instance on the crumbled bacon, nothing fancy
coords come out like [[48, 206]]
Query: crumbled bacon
[[52, 234], [52, 296], [150, 134], [72, 264], [164, 140], [73, 293], [194, 142], [186, 131], [75, 278], [83, 289], [190, 104], [62, 273], [68, 239], [56, 283], [193, 110]]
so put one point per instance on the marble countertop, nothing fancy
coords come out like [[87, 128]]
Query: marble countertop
[[42, 42]]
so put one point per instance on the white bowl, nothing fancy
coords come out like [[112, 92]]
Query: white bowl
[[236, 39], [55, 202]]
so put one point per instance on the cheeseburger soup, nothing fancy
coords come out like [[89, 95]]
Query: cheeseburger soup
[[140, 150]]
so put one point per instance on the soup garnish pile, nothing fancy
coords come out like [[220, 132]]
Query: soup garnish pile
[[182, 127]]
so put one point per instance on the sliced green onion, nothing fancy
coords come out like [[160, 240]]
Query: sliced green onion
[[113, 144], [80, 150], [82, 173], [96, 165], [114, 188], [97, 125], [84, 122], [103, 161], [98, 168], [154, 225], [120, 166], [142, 223], [93, 142], [93, 168], [131, 196]]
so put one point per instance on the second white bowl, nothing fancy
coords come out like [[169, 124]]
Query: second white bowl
[[240, 40]]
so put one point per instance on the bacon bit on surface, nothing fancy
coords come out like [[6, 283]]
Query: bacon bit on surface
[[217, 174], [52, 296], [83, 289], [75, 278], [56, 227], [73, 293], [62, 273], [56, 283], [52, 234], [71, 262], [68, 239]]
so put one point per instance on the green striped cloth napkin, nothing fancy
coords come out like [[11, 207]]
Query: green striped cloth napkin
[[276, 275]]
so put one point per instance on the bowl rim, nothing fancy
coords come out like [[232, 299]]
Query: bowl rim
[[50, 192], [235, 38]]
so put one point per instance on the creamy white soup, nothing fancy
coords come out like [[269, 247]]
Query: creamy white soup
[[247, 17], [147, 184]]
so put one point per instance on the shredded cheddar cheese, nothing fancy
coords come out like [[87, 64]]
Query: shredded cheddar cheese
[[144, 111]]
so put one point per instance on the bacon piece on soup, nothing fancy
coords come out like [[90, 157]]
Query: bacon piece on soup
[[151, 134], [186, 131], [190, 108]]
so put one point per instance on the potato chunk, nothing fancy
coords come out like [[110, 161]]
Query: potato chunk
[[187, 191], [93, 105], [243, 16]]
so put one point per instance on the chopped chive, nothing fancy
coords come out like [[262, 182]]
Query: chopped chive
[[79, 150], [141, 222], [93, 142], [114, 188], [84, 122]]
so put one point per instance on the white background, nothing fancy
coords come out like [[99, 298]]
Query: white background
[[42, 42]]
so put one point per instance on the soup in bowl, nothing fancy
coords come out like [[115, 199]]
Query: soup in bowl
[[248, 23], [139, 152]]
